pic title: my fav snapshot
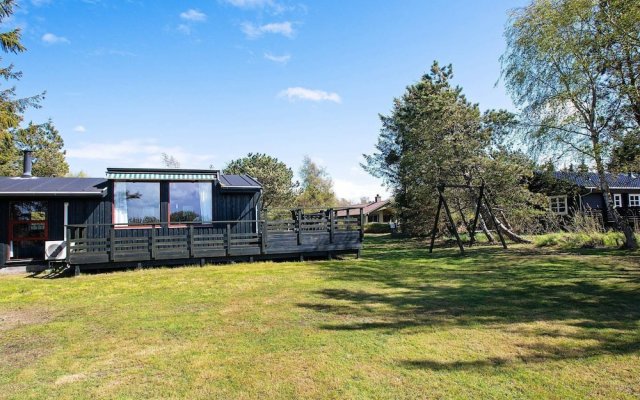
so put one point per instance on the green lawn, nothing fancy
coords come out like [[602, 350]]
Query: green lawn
[[398, 323]]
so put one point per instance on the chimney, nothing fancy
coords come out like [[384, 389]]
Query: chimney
[[27, 163], [378, 198]]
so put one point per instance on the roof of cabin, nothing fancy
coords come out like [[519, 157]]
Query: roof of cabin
[[590, 180], [367, 208], [69, 187], [12, 186], [239, 182]]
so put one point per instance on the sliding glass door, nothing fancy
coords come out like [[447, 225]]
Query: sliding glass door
[[28, 229]]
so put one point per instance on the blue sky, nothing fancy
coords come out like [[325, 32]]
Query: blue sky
[[211, 80]]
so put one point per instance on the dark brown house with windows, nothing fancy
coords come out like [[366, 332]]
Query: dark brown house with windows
[[377, 211], [580, 191], [144, 217]]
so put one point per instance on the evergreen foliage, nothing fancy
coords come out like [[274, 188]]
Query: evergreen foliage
[[435, 135], [43, 139], [279, 189]]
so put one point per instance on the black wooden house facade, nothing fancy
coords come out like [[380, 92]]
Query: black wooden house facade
[[139, 217], [580, 192]]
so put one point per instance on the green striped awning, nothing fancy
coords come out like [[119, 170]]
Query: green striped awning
[[162, 175]]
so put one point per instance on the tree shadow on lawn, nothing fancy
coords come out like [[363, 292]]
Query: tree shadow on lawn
[[597, 297]]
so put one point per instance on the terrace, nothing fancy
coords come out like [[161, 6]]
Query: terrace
[[316, 234]]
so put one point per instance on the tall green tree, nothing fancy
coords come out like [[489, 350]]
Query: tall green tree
[[625, 156], [11, 106], [279, 188], [558, 73], [47, 146], [316, 186], [434, 135]]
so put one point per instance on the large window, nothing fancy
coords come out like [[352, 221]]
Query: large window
[[558, 204], [190, 201], [634, 200], [137, 202]]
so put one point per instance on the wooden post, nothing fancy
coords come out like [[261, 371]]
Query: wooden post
[[76, 270], [152, 239], [347, 220], [299, 224], [472, 234], [451, 222], [331, 225], [265, 236], [112, 243], [361, 225], [190, 240], [68, 244], [435, 225], [495, 222], [228, 239]]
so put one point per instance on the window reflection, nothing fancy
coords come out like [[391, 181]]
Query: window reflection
[[137, 202], [190, 201]]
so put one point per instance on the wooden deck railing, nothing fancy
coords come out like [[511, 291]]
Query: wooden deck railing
[[109, 243]]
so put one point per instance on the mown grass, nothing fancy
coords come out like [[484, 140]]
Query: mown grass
[[398, 323]]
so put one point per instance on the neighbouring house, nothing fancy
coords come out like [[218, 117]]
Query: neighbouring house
[[139, 217], [379, 211], [569, 192]]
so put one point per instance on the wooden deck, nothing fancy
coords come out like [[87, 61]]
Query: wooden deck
[[101, 246]]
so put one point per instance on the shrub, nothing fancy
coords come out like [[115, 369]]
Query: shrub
[[575, 240], [377, 227]]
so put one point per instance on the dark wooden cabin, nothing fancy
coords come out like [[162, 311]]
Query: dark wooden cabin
[[571, 192], [145, 217]]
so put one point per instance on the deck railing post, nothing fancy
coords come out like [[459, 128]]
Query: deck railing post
[[112, 243], [68, 244], [228, 239], [152, 241], [299, 225], [347, 221], [190, 241], [331, 225], [361, 224], [264, 237]]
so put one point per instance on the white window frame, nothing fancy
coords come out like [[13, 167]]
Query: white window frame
[[617, 200], [556, 211], [634, 200]]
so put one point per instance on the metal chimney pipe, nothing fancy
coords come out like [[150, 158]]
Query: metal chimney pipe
[[27, 163]]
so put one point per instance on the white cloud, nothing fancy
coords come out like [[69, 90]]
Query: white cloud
[[193, 15], [283, 59], [257, 4], [80, 129], [281, 28], [300, 93], [184, 29], [50, 38], [144, 153]]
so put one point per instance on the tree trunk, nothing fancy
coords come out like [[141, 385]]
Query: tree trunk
[[485, 230], [508, 232], [630, 242]]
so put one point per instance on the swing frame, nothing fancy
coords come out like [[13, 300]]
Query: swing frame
[[451, 224]]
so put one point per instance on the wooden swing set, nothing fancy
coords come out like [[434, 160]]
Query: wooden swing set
[[482, 197]]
